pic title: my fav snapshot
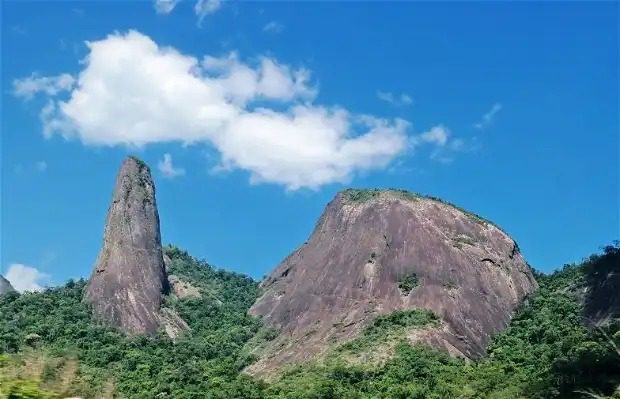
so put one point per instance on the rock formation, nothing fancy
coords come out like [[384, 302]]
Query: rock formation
[[127, 285], [5, 286], [374, 252], [601, 293]]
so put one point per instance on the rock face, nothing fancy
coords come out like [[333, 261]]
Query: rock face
[[5, 286], [129, 280], [601, 296], [374, 252]]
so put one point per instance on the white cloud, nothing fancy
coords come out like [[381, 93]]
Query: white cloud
[[206, 7], [165, 6], [259, 116], [438, 135], [167, 168], [487, 119], [50, 85], [273, 27], [25, 278], [444, 145], [240, 83], [395, 99], [41, 166]]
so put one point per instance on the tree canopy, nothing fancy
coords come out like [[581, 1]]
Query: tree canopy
[[50, 347]]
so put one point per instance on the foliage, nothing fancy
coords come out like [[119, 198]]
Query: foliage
[[385, 327], [364, 195], [206, 360], [547, 351], [408, 283], [24, 389]]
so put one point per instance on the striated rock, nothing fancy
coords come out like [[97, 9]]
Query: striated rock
[[174, 326], [128, 282], [183, 289], [374, 252], [5, 286]]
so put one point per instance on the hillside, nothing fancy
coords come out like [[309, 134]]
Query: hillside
[[49, 337], [52, 349]]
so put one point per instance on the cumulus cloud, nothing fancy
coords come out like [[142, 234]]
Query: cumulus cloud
[[167, 168], [25, 278], [260, 116], [206, 7], [273, 27], [395, 99], [241, 83], [487, 118], [50, 85], [165, 6]]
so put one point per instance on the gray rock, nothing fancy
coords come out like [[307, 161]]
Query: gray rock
[[183, 289], [174, 326], [5, 286], [128, 282], [468, 271]]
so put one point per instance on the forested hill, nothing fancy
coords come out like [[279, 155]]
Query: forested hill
[[51, 348]]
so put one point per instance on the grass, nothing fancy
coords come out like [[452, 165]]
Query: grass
[[386, 326]]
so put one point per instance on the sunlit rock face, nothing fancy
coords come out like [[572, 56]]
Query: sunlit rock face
[[374, 252], [129, 280]]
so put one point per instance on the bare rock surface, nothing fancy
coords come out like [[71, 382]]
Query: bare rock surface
[[129, 280], [174, 326], [5, 286], [367, 249], [183, 289], [601, 296]]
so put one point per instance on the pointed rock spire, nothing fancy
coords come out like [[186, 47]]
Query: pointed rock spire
[[129, 279]]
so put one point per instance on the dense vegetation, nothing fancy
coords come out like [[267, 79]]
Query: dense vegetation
[[51, 347], [408, 283], [209, 359]]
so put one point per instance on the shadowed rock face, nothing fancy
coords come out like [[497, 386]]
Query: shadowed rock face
[[129, 280], [601, 296], [5, 286], [466, 270]]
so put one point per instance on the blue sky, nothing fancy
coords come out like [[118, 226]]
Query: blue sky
[[253, 115]]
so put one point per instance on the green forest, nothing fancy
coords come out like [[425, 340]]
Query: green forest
[[50, 347]]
